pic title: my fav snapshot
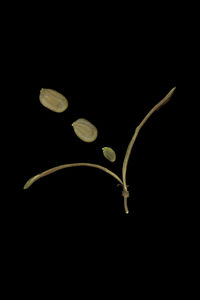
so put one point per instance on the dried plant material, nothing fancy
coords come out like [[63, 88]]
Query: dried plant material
[[53, 100], [125, 192], [85, 130], [53, 170], [109, 154], [31, 181], [130, 146]]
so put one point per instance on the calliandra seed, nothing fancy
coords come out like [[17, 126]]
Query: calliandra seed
[[109, 154], [53, 100], [85, 130]]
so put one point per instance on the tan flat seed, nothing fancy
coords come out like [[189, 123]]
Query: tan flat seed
[[53, 100], [109, 153], [85, 130]]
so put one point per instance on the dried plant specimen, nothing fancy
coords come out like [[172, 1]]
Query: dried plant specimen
[[125, 192], [109, 154], [85, 130], [53, 100]]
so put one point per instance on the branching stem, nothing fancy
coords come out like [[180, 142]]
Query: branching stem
[[137, 130], [125, 192]]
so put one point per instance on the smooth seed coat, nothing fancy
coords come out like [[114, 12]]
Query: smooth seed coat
[[85, 130], [109, 154], [53, 100]]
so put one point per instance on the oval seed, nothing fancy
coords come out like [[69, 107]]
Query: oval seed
[[53, 100], [85, 130], [109, 153]]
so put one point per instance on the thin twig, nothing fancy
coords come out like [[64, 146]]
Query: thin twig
[[53, 170], [130, 146]]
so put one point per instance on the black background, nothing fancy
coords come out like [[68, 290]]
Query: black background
[[115, 94], [111, 75], [115, 102]]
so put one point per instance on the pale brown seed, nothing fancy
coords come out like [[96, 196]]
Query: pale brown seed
[[109, 154], [85, 130], [53, 100]]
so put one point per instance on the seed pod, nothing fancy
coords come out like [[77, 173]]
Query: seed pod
[[53, 100], [85, 130], [109, 153]]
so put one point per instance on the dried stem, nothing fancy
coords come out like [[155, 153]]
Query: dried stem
[[130, 146], [53, 170], [125, 192]]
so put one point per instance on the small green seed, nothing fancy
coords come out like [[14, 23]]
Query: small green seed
[[85, 130], [109, 154], [53, 100]]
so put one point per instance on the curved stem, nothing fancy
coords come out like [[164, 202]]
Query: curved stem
[[130, 146], [53, 170]]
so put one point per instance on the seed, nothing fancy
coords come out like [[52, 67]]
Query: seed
[[53, 100], [85, 130], [109, 153]]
